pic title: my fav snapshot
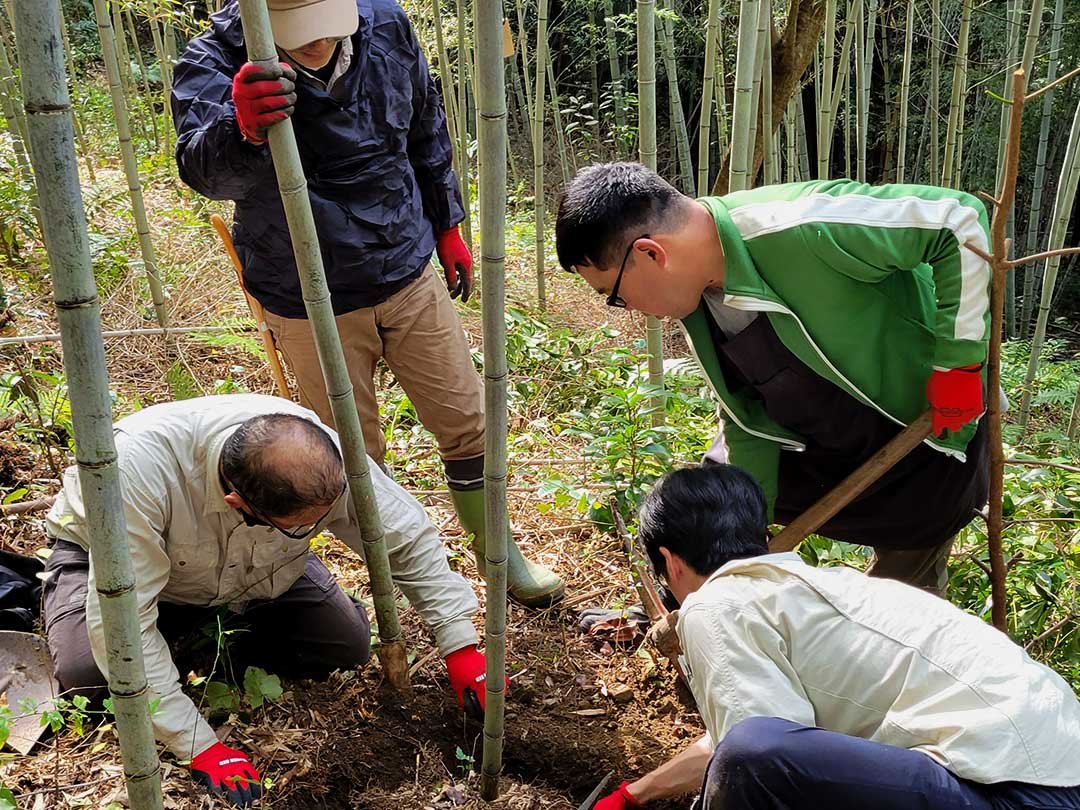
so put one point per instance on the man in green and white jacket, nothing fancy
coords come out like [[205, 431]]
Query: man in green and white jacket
[[826, 316]]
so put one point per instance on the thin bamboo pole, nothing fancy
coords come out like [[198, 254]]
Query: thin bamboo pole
[[678, 117], [491, 103], [1035, 216], [738, 174], [616, 74], [141, 62], [523, 107], [954, 132], [755, 92], [17, 127], [769, 171], [861, 96], [804, 157], [80, 133], [446, 74], [292, 186], [556, 114], [539, 198], [712, 24], [789, 131], [48, 105], [905, 92], [1073, 431], [594, 77], [720, 94], [845, 88], [935, 87], [462, 113], [1059, 226], [166, 80], [825, 114], [647, 149], [868, 61], [122, 54], [523, 50], [131, 168]]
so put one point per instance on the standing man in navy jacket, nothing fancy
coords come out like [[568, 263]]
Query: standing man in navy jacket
[[373, 140]]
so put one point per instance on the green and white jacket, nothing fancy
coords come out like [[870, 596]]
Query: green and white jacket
[[868, 286]]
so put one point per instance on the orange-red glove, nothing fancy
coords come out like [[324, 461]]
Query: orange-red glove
[[955, 396], [456, 260], [621, 799], [467, 668], [227, 772], [262, 96]]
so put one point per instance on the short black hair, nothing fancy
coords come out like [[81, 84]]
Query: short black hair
[[280, 463], [707, 515], [607, 205]]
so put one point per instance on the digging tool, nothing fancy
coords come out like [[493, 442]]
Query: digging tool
[[25, 674], [590, 800], [849, 489], [255, 307]]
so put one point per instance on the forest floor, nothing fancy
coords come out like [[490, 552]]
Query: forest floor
[[351, 742]]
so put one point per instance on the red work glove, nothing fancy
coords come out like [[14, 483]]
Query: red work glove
[[621, 799], [227, 772], [955, 396], [456, 260], [468, 671], [263, 96]]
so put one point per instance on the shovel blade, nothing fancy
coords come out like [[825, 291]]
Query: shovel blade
[[25, 672]]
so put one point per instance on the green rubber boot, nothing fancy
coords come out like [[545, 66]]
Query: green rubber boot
[[527, 582]]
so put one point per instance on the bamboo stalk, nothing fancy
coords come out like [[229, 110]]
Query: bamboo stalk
[[861, 113], [594, 77], [804, 158], [80, 134], [755, 92], [825, 114], [905, 92], [647, 149], [48, 105], [141, 62], [523, 50], [954, 133], [712, 24], [556, 114], [17, 128], [539, 198], [1035, 214], [738, 174], [166, 81], [678, 117], [446, 76], [53, 337], [841, 88], [462, 113], [769, 170], [868, 63], [491, 97], [935, 87], [131, 168], [122, 54], [294, 196], [1073, 431], [789, 131], [524, 108], [616, 73], [1059, 226]]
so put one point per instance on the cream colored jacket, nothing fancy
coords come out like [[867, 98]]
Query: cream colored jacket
[[832, 648], [189, 547]]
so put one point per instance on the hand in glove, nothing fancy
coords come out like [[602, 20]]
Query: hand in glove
[[663, 636], [456, 260], [467, 668], [227, 772], [262, 96], [955, 396], [621, 799]]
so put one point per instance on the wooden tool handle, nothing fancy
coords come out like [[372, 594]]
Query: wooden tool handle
[[851, 487]]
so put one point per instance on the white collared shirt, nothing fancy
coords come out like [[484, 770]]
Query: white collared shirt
[[189, 547], [876, 659]]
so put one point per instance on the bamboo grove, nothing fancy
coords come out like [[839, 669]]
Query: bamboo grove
[[744, 92]]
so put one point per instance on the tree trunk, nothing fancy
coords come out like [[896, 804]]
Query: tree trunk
[[792, 53], [1035, 217], [79, 315], [491, 103], [292, 185], [131, 167]]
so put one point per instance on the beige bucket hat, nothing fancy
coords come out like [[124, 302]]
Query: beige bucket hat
[[298, 22]]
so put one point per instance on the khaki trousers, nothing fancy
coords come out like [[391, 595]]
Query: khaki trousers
[[418, 332], [925, 568]]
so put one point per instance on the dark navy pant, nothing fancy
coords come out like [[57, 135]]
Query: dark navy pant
[[765, 763]]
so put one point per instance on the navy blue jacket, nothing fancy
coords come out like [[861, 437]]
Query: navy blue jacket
[[376, 154]]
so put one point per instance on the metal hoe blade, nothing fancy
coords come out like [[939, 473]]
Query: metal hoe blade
[[25, 672], [591, 800]]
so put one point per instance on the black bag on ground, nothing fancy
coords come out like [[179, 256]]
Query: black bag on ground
[[20, 591]]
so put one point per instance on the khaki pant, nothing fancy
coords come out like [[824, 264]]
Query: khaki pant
[[418, 332], [925, 568]]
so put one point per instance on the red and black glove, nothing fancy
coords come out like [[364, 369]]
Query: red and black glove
[[621, 799], [227, 772], [467, 668], [456, 260], [955, 396], [262, 96]]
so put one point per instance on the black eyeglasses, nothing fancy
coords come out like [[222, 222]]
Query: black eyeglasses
[[297, 532], [615, 300]]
